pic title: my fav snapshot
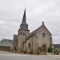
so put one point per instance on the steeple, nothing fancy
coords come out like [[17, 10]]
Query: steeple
[[24, 17], [24, 25]]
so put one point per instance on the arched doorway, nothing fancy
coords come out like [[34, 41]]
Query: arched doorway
[[44, 47], [15, 49]]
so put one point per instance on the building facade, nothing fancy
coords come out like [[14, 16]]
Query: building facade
[[29, 42], [5, 44], [56, 47]]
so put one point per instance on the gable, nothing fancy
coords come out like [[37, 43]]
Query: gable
[[42, 27]]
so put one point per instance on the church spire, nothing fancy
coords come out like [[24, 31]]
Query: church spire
[[24, 25], [24, 17]]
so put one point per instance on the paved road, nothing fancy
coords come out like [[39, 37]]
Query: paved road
[[15, 56]]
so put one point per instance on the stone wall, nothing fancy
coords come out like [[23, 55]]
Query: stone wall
[[43, 40], [21, 39], [39, 39]]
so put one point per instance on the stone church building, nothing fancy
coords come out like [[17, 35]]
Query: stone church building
[[29, 42]]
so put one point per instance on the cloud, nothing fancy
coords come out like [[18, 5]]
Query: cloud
[[11, 13]]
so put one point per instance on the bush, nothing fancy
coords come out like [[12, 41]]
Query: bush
[[50, 49], [39, 49]]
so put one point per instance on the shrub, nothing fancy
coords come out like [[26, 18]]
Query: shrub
[[39, 49], [50, 49]]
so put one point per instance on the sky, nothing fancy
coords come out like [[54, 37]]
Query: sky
[[11, 13]]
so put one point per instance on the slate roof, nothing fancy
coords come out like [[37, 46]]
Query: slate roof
[[56, 45], [5, 42]]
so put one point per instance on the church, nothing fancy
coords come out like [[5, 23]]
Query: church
[[29, 42]]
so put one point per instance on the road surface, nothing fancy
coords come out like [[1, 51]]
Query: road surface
[[15, 56]]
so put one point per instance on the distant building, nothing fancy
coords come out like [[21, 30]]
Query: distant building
[[29, 42], [56, 47], [5, 44]]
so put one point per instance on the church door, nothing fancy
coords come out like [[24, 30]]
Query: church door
[[15, 49], [44, 47]]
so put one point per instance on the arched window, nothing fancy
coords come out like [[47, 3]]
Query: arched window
[[29, 44], [43, 34]]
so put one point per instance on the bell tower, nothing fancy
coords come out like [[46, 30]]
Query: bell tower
[[24, 25], [23, 32]]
